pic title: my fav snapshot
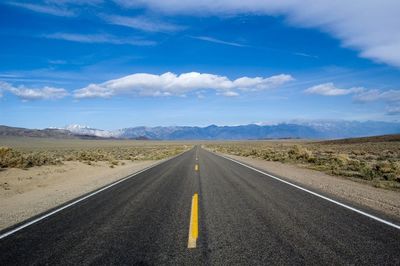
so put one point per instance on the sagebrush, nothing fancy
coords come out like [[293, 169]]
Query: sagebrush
[[29, 157]]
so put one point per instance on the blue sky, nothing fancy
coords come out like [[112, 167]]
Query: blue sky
[[115, 64]]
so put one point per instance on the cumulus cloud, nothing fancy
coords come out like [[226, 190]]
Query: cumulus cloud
[[97, 38], [24, 93], [170, 84], [141, 23], [329, 89], [371, 27]]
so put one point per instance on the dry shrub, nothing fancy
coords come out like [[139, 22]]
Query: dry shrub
[[300, 153], [10, 158]]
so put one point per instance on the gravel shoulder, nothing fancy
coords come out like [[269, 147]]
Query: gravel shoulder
[[377, 199], [26, 193]]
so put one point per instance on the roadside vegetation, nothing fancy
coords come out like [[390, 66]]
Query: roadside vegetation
[[376, 162], [28, 152]]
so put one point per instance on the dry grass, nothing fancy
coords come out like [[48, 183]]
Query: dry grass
[[377, 163], [22, 152]]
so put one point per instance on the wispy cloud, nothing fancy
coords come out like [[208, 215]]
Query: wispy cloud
[[142, 23], [375, 36], [76, 2], [98, 38], [361, 94], [45, 9], [393, 110], [329, 89], [26, 94], [214, 40], [305, 55], [170, 84], [377, 95], [57, 62]]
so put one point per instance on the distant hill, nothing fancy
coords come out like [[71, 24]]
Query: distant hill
[[41, 133], [294, 130]]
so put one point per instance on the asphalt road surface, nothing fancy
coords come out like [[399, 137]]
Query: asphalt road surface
[[244, 218]]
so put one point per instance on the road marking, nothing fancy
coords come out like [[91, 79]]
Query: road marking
[[81, 199], [196, 167], [194, 222], [316, 194]]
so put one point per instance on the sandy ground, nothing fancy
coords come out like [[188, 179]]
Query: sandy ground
[[25, 193], [380, 200]]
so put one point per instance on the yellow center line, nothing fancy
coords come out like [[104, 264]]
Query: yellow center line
[[194, 222], [196, 167]]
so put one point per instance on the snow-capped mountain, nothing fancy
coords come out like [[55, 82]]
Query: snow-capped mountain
[[85, 130]]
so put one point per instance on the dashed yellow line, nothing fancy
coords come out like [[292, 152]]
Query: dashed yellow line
[[194, 222], [196, 167]]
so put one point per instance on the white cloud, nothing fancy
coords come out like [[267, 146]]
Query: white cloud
[[391, 98], [369, 26], [229, 93], [170, 84], [329, 89], [94, 91], [97, 38], [214, 40], [141, 23], [360, 94], [258, 84], [45, 9], [45, 93]]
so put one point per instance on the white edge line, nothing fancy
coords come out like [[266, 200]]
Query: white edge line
[[314, 193], [81, 199]]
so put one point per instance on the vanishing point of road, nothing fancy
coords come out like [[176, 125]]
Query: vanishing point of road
[[199, 208]]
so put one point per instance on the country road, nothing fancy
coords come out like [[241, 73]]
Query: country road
[[243, 218]]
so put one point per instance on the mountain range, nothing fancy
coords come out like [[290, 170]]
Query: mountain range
[[321, 129]]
